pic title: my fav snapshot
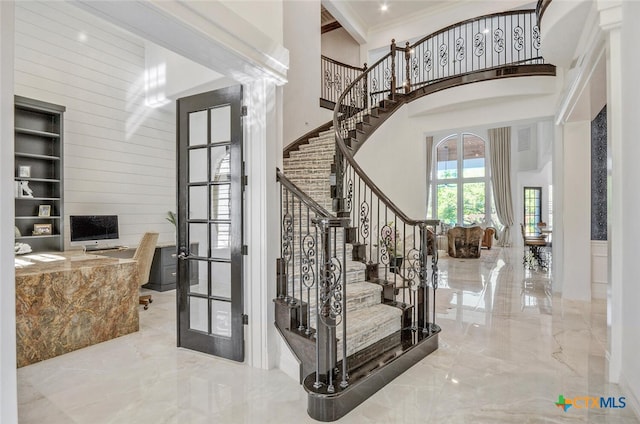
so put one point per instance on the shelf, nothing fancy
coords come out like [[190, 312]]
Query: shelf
[[33, 156], [41, 180], [36, 132], [39, 144], [37, 217], [37, 237], [38, 198]]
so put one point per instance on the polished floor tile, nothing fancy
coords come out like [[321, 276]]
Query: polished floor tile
[[508, 348]]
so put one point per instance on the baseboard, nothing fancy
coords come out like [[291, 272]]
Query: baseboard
[[599, 269]]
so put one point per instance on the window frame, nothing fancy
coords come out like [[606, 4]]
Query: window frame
[[460, 180], [531, 228]]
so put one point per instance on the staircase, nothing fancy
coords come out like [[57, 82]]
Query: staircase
[[357, 285], [310, 168]]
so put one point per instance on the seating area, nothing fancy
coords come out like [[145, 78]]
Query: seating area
[[467, 242]]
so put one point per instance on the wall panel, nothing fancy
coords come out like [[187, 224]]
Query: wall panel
[[119, 153]]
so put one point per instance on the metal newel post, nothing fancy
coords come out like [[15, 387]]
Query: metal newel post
[[424, 251], [365, 87], [325, 322], [407, 59], [393, 69]]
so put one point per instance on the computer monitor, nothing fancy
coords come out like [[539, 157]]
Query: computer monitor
[[91, 229]]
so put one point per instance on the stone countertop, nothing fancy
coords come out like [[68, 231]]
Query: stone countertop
[[39, 263], [69, 300]]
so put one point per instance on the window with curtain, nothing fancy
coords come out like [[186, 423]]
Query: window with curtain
[[460, 184]]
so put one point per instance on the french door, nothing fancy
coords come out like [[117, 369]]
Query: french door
[[210, 211]]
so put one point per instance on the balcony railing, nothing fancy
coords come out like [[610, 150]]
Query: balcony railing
[[336, 77]]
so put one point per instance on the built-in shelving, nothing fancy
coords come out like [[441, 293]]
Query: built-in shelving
[[38, 163]]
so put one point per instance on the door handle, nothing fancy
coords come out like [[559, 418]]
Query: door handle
[[183, 254]]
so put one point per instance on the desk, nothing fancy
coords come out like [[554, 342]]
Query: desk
[[162, 276], [67, 301]]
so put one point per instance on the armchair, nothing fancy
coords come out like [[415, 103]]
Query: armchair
[[464, 242], [487, 238]]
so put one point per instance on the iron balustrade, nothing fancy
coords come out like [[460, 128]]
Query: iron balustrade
[[312, 278], [400, 253], [475, 45], [336, 76]]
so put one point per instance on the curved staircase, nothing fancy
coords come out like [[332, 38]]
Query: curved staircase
[[354, 315]]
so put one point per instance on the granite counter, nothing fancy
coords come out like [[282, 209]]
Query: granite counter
[[67, 301]]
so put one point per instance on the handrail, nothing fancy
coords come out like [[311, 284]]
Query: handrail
[[472, 20], [304, 139], [335, 77], [302, 196], [347, 154], [468, 51], [345, 65], [541, 7]]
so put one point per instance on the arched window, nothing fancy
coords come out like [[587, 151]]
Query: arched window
[[460, 182]]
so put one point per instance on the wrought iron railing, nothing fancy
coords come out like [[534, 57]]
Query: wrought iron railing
[[312, 278], [541, 7], [395, 246], [336, 76], [400, 253]]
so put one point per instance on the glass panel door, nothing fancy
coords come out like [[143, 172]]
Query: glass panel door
[[210, 306]]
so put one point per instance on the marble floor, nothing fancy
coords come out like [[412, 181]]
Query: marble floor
[[508, 349]]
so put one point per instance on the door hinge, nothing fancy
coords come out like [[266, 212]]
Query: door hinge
[[245, 249], [244, 111], [245, 319], [245, 179]]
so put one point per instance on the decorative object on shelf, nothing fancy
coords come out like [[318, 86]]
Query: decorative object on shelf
[[42, 229], [44, 210], [24, 171], [25, 190], [22, 248], [39, 171], [17, 232]]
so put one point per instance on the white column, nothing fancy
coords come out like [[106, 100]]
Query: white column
[[8, 388], [558, 209], [610, 14], [263, 153], [576, 283]]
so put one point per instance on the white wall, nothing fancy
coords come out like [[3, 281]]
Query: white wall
[[340, 45], [425, 24], [629, 150], [266, 15], [8, 392], [401, 140], [302, 94], [576, 223], [119, 154]]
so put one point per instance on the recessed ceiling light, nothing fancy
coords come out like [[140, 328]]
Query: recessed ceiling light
[[384, 7]]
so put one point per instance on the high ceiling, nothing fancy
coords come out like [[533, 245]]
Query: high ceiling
[[372, 16]]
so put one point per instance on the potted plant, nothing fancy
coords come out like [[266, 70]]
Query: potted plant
[[391, 240]]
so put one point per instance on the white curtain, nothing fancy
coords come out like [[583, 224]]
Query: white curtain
[[500, 160], [429, 164]]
